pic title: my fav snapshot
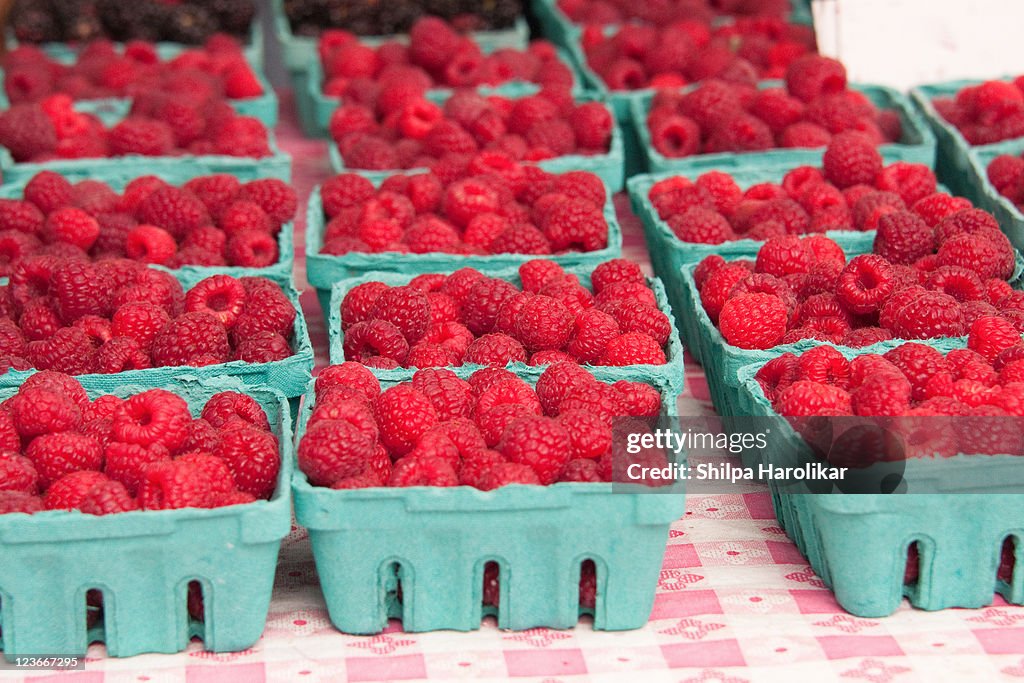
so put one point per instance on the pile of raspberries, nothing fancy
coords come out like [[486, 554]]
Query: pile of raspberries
[[78, 317], [804, 288], [466, 317], [852, 191], [917, 383], [986, 113], [418, 133], [59, 450], [437, 56], [605, 12], [486, 204], [213, 220], [1006, 173], [638, 56], [161, 123], [718, 116], [102, 71], [489, 431]]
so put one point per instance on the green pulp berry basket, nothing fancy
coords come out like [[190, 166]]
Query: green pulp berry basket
[[858, 543], [253, 48], [323, 105], [144, 561], [113, 109], [669, 254], [125, 168], [437, 541], [609, 167], [281, 270], [289, 376], [722, 361], [323, 270], [952, 158], [1010, 218], [671, 372], [916, 145], [299, 54], [557, 27]]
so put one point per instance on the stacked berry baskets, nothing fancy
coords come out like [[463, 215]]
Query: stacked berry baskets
[[169, 531], [403, 486]]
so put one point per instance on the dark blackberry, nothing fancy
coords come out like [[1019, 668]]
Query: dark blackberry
[[190, 24], [78, 19], [33, 22], [120, 20], [233, 16]]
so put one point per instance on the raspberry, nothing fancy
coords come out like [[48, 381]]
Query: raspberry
[[753, 321], [217, 191], [960, 283], [851, 159], [577, 225], [918, 363], [26, 131], [701, 226], [262, 347], [80, 290], [903, 238], [480, 308], [741, 133], [780, 256], [253, 457], [806, 399], [543, 323], [242, 215], [592, 124], [220, 295], [43, 410], [375, 338], [935, 207], [593, 330], [344, 191], [72, 226], [537, 273], [990, 336], [505, 473], [600, 399], [634, 316], [126, 463], [968, 221], [865, 283], [68, 492], [777, 374], [274, 196], [48, 191], [881, 394], [406, 308], [195, 338], [811, 76], [639, 399], [990, 255], [332, 450], [912, 182], [252, 249], [824, 365], [538, 442], [17, 473], [403, 415], [633, 348], [930, 314], [57, 454], [495, 349], [175, 484], [359, 302], [68, 350], [139, 321], [174, 209], [719, 286], [135, 135], [150, 244], [154, 416], [674, 136], [423, 471], [451, 396]]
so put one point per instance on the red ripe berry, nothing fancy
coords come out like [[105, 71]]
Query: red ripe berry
[[495, 349], [536, 274], [917, 362], [593, 330], [252, 249], [806, 399], [196, 338], [989, 255], [753, 321], [931, 314], [57, 454], [592, 124], [639, 399], [175, 484], [777, 374], [633, 348], [333, 450], [423, 471], [274, 196], [881, 395], [49, 191], [538, 442], [824, 365], [375, 338], [903, 237], [17, 473], [406, 308], [812, 76], [175, 210], [991, 335], [68, 492], [127, 462], [865, 283], [220, 295], [543, 323], [139, 321], [150, 244], [71, 226], [43, 410], [154, 416], [228, 406], [253, 457], [851, 159], [403, 415], [575, 225], [451, 396], [782, 256]]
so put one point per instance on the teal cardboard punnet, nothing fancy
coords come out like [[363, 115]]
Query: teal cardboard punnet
[[143, 561], [436, 541]]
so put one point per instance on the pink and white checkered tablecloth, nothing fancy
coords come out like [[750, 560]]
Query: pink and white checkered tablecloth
[[736, 601]]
